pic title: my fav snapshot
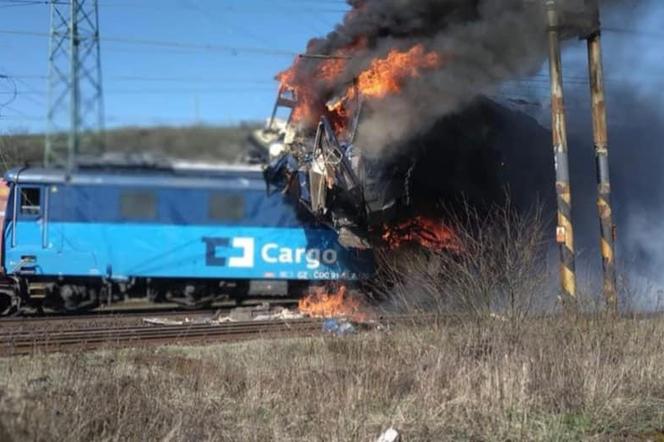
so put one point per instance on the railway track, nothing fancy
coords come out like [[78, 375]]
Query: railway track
[[23, 336], [59, 319], [134, 311], [15, 342]]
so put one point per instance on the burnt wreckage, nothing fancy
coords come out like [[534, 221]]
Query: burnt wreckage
[[313, 155], [470, 157], [327, 174]]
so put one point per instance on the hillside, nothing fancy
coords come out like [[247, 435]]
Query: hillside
[[210, 143]]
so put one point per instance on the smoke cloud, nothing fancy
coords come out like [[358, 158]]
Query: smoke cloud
[[635, 95], [484, 43], [488, 43]]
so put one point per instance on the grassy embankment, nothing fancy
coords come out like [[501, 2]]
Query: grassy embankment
[[510, 376], [553, 380]]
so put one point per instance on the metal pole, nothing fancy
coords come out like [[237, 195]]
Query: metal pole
[[601, 144], [75, 101], [101, 130], [564, 231], [48, 145], [72, 150]]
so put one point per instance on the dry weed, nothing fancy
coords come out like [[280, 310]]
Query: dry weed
[[501, 270], [556, 380]]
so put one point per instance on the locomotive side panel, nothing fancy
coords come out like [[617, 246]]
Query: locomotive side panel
[[160, 232]]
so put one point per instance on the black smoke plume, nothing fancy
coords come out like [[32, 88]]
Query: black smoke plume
[[487, 42], [461, 144]]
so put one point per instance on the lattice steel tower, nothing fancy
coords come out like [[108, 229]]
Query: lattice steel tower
[[75, 99]]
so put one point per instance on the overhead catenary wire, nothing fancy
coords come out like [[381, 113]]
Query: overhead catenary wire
[[226, 9], [213, 47], [13, 93], [645, 33], [166, 79]]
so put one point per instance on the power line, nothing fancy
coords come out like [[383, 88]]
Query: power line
[[228, 9], [13, 93], [157, 91], [31, 117], [171, 44], [18, 4], [175, 79], [640, 32]]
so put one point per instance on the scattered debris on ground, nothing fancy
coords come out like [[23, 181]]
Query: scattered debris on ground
[[262, 312], [389, 435], [339, 327], [336, 326]]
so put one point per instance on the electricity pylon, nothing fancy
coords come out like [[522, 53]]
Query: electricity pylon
[[75, 100]]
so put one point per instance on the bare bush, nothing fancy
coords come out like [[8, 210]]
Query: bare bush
[[500, 268], [12, 153]]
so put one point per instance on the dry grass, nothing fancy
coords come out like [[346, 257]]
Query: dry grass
[[555, 380], [501, 268], [519, 377]]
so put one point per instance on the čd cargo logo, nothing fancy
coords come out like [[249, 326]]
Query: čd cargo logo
[[270, 253]]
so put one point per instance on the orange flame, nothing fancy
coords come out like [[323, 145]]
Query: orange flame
[[383, 77], [322, 304], [386, 76], [325, 73], [424, 231], [308, 108]]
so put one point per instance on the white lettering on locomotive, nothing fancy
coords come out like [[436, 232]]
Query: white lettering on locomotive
[[272, 253]]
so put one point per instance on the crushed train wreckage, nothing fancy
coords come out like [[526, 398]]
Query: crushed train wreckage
[[329, 177], [373, 200], [384, 77]]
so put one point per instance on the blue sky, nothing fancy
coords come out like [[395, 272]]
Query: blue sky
[[181, 86], [148, 85]]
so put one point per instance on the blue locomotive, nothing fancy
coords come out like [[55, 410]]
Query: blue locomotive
[[177, 233]]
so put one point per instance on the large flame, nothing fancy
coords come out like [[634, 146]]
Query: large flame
[[308, 77], [386, 76], [427, 232], [322, 303], [314, 81], [308, 108]]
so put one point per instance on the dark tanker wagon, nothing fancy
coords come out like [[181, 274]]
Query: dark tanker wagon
[[175, 233]]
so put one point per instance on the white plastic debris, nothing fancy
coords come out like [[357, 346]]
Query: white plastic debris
[[338, 327], [389, 435], [246, 315], [163, 321], [284, 313], [498, 317]]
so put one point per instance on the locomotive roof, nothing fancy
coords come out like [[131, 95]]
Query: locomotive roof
[[177, 174]]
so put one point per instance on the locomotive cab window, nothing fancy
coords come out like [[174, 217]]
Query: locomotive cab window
[[225, 207], [138, 205], [30, 201]]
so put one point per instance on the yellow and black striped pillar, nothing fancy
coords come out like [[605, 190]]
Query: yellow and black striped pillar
[[600, 140], [565, 231]]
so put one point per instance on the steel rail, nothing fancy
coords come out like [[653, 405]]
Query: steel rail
[[181, 327], [18, 343], [24, 342], [115, 313]]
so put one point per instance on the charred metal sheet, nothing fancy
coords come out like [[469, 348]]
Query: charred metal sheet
[[329, 177]]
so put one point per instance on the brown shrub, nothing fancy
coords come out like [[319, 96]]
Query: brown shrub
[[501, 268]]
